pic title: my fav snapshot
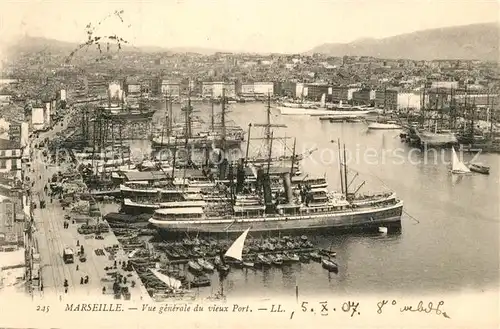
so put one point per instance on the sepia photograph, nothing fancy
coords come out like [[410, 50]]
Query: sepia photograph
[[242, 164]]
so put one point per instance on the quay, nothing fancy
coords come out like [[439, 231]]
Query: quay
[[51, 238]]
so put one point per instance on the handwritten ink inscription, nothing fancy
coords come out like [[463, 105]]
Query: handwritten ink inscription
[[428, 308], [352, 308]]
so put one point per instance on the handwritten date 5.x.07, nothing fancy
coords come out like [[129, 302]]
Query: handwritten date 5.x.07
[[352, 308], [430, 308]]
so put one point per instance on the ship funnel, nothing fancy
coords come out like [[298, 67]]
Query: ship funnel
[[240, 176], [287, 183], [265, 181], [222, 169]]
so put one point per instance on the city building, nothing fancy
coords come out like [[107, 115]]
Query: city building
[[171, 88], [214, 89], [264, 88], [315, 91], [256, 88], [10, 156], [340, 94], [363, 97], [38, 118], [387, 99]]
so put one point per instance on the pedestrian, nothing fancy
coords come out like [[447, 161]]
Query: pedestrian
[[41, 287], [103, 290], [77, 243], [81, 280], [77, 267]]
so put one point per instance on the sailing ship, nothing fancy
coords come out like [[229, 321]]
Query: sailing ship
[[457, 166], [433, 135], [118, 108], [383, 123], [182, 134]]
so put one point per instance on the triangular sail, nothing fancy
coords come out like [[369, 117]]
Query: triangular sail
[[236, 249], [456, 164]]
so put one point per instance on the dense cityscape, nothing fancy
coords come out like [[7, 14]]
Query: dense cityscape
[[162, 234]]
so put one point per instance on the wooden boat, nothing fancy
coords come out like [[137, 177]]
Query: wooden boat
[[206, 265], [329, 265], [195, 267], [304, 258], [221, 266], [278, 260], [292, 257], [327, 253], [479, 168], [200, 281], [263, 260], [315, 256], [248, 264]]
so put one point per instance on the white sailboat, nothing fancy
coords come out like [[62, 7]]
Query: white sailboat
[[235, 251], [457, 166]]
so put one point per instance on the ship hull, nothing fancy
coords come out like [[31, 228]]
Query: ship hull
[[360, 220], [196, 143], [319, 112], [436, 140], [383, 126]]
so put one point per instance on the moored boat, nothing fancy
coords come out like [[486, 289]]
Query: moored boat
[[206, 265], [200, 281], [329, 265], [384, 125], [479, 168], [194, 266]]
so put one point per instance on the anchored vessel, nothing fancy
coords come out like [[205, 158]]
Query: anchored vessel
[[285, 204]]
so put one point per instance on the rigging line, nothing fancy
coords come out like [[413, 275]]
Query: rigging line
[[411, 217], [383, 183]]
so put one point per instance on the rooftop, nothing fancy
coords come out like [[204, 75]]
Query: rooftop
[[6, 144]]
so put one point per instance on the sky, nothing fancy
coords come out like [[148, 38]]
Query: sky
[[286, 26]]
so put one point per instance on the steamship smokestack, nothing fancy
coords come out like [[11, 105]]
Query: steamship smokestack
[[287, 183], [264, 179], [240, 176], [223, 169]]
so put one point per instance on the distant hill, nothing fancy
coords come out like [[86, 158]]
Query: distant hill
[[39, 44], [468, 42]]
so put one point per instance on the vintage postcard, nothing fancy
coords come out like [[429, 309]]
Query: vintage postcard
[[249, 164]]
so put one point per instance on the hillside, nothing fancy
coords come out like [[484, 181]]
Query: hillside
[[468, 42], [29, 44]]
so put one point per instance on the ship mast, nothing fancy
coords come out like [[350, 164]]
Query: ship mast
[[187, 136], [223, 120], [212, 123], [248, 143], [345, 175], [340, 169], [268, 121], [293, 156], [270, 153]]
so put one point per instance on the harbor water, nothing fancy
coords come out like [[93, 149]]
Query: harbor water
[[450, 229]]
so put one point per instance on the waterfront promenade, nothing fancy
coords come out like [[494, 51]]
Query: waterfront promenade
[[51, 238]]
